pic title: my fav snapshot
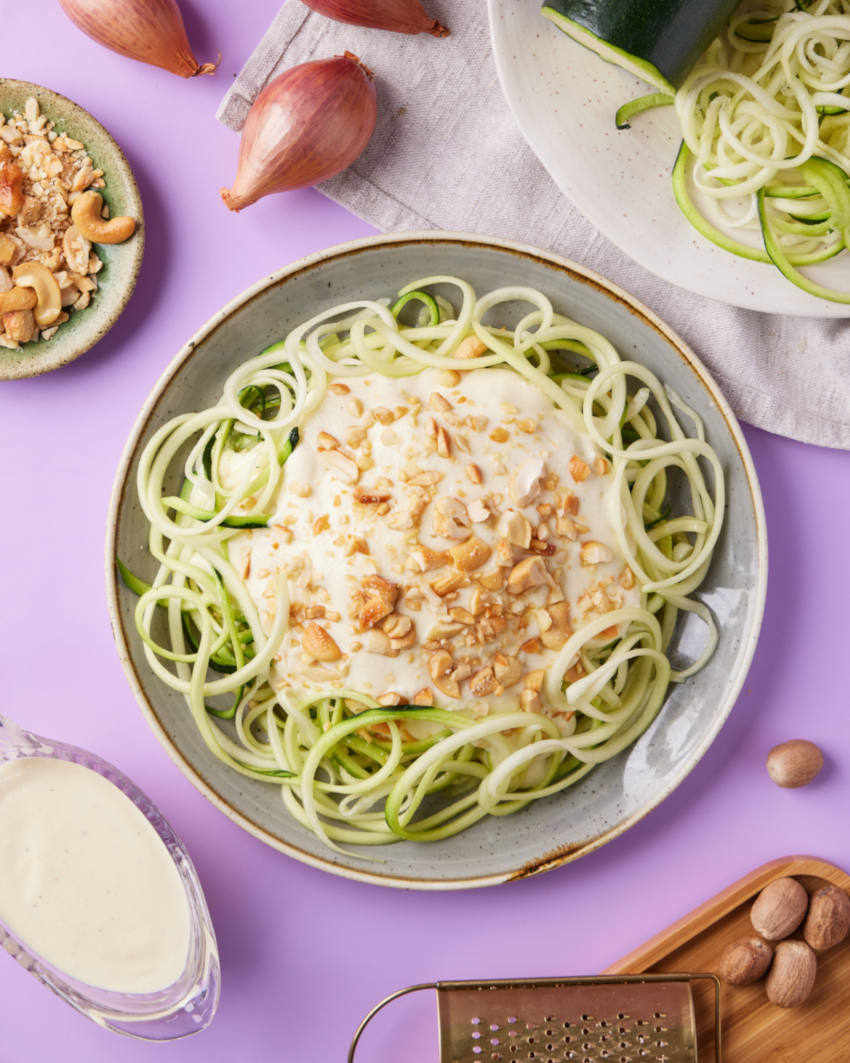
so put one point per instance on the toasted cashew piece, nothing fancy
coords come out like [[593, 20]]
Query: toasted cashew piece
[[20, 326], [439, 666], [48, 304], [319, 644], [17, 299], [87, 215], [77, 250], [8, 249], [11, 188]]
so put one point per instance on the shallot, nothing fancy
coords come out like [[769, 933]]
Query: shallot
[[401, 16], [305, 126], [151, 31]]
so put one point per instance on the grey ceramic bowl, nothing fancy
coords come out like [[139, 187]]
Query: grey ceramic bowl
[[615, 795], [121, 262]]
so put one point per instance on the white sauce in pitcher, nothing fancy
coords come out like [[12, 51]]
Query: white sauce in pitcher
[[85, 881]]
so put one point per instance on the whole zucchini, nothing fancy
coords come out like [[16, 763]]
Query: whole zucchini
[[659, 40]]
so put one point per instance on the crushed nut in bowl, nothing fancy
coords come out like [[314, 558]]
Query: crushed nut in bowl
[[55, 224]]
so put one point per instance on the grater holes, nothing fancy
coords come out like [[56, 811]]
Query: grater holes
[[581, 1037]]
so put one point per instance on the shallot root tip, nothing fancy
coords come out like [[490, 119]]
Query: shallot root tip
[[438, 30], [231, 201], [352, 58], [207, 68]]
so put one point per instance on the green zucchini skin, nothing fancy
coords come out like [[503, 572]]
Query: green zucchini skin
[[659, 40]]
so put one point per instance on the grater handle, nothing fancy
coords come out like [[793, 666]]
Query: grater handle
[[379, 1007]]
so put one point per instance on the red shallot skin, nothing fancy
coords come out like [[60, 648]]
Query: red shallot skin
[[307, 125], [151, 31], [400, 16]]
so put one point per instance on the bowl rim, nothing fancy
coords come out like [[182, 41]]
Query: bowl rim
[[578, 272], [99, 327]]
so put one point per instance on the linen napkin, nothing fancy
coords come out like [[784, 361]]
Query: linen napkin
[[447, 154]]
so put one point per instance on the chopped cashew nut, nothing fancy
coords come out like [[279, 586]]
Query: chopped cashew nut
[[527, 481], [11, 189], [471, 554], [17, 299], [471, 347], [516, 528], [19, 325], [527, 574], [8, 250], [319, 644], [439, 667], [593, 553]]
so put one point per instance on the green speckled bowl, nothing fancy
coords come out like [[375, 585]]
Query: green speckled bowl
[[121, 262], [616, 794]]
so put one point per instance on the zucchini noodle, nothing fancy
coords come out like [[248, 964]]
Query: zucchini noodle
[[347, 767], [765, 120]]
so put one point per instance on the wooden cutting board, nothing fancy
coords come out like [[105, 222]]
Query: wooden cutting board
[[753, 1029]]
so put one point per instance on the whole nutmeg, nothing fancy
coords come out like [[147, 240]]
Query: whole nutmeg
[[828, 921], [779, 908], [792, 975], [794, 763], [745, 961]]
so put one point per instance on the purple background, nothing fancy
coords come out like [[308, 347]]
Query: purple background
[[305, 954]]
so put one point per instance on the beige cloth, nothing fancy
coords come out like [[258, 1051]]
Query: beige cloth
[[447, 154]]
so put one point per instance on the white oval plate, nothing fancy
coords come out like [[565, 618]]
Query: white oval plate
[[564, 99]]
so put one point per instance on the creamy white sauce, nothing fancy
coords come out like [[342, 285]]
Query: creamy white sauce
[[85, 881], [416, 449]]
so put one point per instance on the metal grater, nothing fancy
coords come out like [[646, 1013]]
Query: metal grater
[[608, 1019]]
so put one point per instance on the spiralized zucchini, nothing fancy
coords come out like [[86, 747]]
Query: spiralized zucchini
[[765, 119], [346, 767]]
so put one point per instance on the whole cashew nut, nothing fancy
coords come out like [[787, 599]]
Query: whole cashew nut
[[87, 215], [48, 304], [17, 299]]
